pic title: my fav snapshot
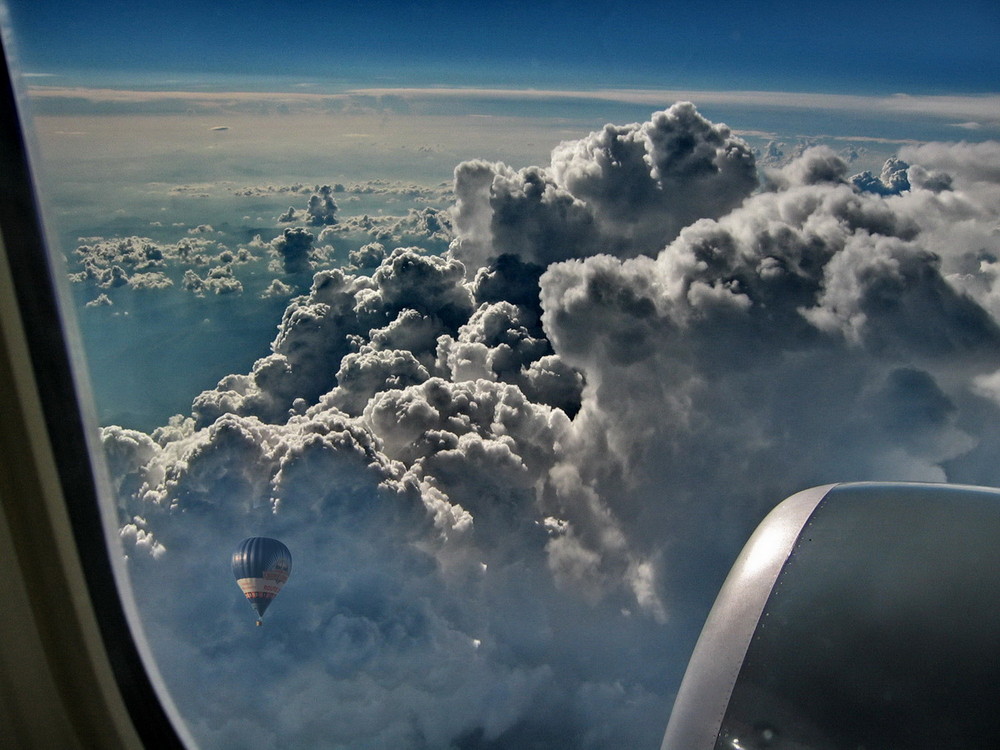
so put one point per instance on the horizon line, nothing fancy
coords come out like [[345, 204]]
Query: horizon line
[[984, 107]]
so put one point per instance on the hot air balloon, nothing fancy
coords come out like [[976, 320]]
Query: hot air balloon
[[261, 566]]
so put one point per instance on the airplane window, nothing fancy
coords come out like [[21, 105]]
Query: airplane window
[[441, 357]]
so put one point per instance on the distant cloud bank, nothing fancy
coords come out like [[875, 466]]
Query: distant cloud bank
[[968, 111]]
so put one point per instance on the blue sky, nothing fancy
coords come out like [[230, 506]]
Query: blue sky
[[914, 47]]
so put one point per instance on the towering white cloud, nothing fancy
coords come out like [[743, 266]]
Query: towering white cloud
[[513, 476], [625, 190], [319, 329]]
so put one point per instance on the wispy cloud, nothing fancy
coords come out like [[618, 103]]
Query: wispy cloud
[[981, 109], [986, 106]]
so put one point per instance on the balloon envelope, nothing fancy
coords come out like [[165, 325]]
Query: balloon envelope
[[261, 566]]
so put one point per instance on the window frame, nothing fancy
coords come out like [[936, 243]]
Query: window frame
[[74, 668]]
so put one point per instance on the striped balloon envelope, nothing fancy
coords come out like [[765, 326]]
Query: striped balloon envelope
[[261, 566]]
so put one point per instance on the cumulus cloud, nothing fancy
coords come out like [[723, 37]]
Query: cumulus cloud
[[973, 162], [138, 253], [218, 280], [790, 316], [102, 300], [383, 187], [514, 474], [815, 165], [150, 280], [319, 329], [368, 256], [294, 250], [429, 227], [426, 224], [320, 210], [140, 263], [893, 180], [278, 288], [625, 190], [773, 153]]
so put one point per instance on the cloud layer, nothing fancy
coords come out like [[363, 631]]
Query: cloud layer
[[514, 474]]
